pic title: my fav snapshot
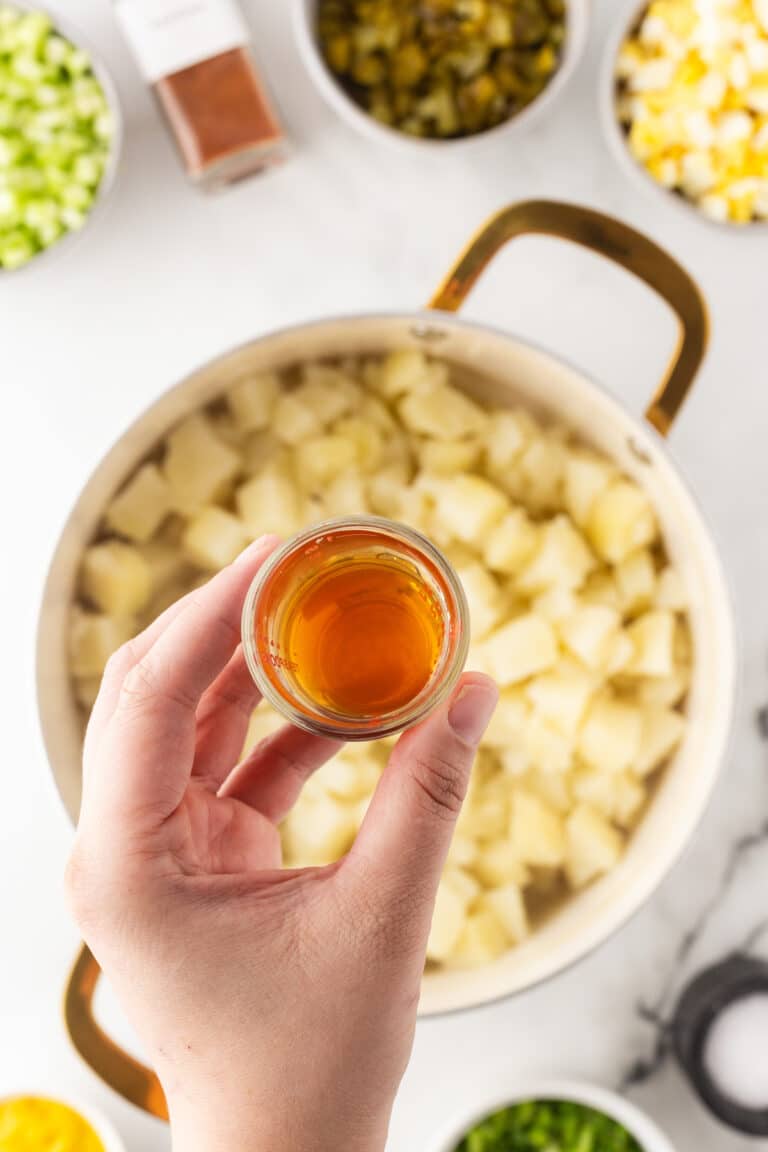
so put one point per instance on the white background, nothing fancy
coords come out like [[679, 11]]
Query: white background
[[168, 278]]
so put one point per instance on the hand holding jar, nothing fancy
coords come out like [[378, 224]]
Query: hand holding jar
[[278, 1007]]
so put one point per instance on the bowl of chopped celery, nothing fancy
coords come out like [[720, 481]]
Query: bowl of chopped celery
[[60, 131], [554, 1116]]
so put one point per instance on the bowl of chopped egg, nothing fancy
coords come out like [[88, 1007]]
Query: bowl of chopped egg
[[685, 103], [42, 1123]]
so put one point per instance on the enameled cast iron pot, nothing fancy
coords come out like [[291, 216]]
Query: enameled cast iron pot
[[504, 369]]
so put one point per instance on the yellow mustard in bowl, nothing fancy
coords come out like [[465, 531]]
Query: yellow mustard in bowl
[[37, 1124]]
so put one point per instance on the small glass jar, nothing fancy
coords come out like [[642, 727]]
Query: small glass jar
[[356, 628]]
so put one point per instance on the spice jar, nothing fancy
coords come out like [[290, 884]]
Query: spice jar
[[197, 59], [356, 628]]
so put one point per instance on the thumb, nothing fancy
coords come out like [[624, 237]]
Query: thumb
[[404, 839]]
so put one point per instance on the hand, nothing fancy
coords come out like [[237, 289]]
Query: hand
[[278, 1007]]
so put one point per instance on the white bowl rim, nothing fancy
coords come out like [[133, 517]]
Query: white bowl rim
[[363, 122], [101, 1124], [635, 1120], [640, 176], [75, 36]]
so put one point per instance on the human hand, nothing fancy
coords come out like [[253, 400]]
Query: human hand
[[278, 1007]]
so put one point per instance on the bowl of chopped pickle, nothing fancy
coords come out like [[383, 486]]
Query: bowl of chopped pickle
[[685, 102], [439, 71]]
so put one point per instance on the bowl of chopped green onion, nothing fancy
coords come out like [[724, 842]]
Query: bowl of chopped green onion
[[439, 72], [554, 1116], [60, 130]]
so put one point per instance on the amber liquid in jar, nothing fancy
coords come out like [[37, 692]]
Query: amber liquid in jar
[[355, 628]]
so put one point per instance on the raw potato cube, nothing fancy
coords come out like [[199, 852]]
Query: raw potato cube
[[320, 458], [116, 578], [198, 465], [166, 562], [442, 412], [214, 538], [400, 372], [227, 429], [589, 633], [366, 440], [586, 477], [318, 831], [141, 506], [86, 690], [536, 830], [598, 789], [269, 503], [508, 906], [259, 449], [662, 731], [92, 640], [665, 692], [293, 419], [350, 775], [498, 863], [520, 649], [610, 736], [345, 496], [448, 922], [561, 560], [462, 853], [374, 411], [594, 846], [670, 591], [621, 519], [600, 588], [636, 582], [621, 653], [483, 597], [462, 883], [385, 489], [468, 507], [653, 636], [547, 749], [508, 433], [539, 474], [630, 798], [554, 788], [447, 457], [253, 400], [327, 391], [511, 543], [482, 940], [508, 723], [560, 697]]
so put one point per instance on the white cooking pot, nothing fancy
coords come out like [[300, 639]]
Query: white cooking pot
[[504, 369]]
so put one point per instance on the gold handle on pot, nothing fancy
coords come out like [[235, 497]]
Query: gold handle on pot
[[117, 1068], [618, 242]]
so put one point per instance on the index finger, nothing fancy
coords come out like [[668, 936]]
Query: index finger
[[147, 747]]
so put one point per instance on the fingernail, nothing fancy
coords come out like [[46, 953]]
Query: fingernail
[[471, 710], [256, 547]]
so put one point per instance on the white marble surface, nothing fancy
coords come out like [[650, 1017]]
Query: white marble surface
[[169, 278]]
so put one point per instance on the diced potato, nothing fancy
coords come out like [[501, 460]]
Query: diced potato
[[259, 449], [252, 401], [483, 818], [327, 391], [597, 788], [498, 863], [375, 412], [589, 633], [539, 474], [508, 433], [366, 439], [462, 853], [141, 506], [610, 736], [198, 465], [116, 578], [400, 372], [214, 538], [468, 507], [508, 907], [294, 420], [447, 457], [228, 430], [622, 651], [483, 598], [594, 846], [670, 591], [667, 691], [352, 774], [600, 588], [621, 519], [547, 748], [554, 788], [560, 697], [510, 543], [86, 690], [345, 495], [555, 604], [520, 649], [586, 476], [515, 760], [165, 561], [269, 503], [662, 731], [636, 582], [318, 831], [320, 458], [508, 722], [448, 922], [630, 798], [653, 636], [482, 940], [93, 638], [385, 489], [442, 412], [536, 830], [561, 560], [465, 885]]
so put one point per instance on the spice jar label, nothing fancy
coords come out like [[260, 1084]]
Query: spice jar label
[[169, 35]]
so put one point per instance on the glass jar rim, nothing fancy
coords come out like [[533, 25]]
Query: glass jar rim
[[433, 693]]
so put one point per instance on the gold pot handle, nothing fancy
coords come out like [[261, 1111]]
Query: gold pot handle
[[618, 242], [117, 1068]]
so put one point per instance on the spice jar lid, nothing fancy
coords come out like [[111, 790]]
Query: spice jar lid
[[703, 1003]]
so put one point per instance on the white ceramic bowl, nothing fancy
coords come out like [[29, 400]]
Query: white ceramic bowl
[[629, 16], [67, 241], [577, 22], [649, 1137], [103, 1127]]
